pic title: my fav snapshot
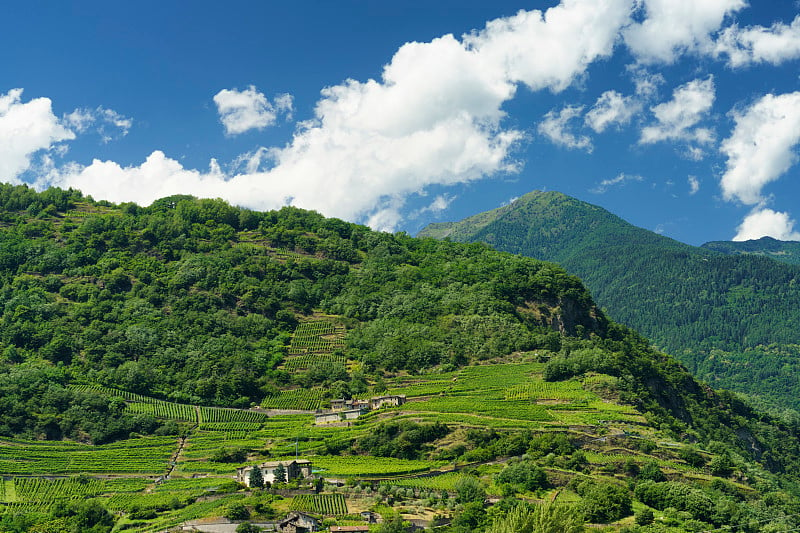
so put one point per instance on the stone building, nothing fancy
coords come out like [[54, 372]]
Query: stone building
[[296, 468]]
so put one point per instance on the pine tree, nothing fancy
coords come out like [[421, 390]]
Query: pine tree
[[280, 473], [256, 478]]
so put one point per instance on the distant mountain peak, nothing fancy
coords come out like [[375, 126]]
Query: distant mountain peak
[[783, 251], [724, 309]]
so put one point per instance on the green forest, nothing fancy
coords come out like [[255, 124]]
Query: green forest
[[194, 301], [784, 251], [136, 342], [731, 318]]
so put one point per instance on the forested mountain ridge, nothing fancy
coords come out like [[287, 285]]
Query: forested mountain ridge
[[195, 301], [120, 321], [731, 318], [784, 251]]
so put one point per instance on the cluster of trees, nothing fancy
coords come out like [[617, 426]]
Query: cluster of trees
[[404, 439], [680, 504], [35, 402], [674, 401], [88, 516]]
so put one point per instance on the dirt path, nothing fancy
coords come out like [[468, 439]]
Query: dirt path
[[173, 461]]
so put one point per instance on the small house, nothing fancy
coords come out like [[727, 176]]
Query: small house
[[328, 417], [387, 401], [338, 416], [341, 404], [297, 522], [296, 468]]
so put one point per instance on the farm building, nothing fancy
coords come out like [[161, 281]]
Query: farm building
[[387, 401], [342, 409], [297, 522], [376, 402], [297, 468], [341, 404], [338, 416]]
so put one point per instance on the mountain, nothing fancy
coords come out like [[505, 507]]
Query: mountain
[[150, 356], [730, 318], [785, 251]]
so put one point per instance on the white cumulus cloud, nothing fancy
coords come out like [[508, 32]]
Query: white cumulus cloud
[[241, 111], [761, 146], [767, 223], [107, 123], [758, 44], [433, 118], [611, 108], [673, 27], [620, 180], [25, 129], [549, 49], [555, 127], [676, 119], [647, 83]]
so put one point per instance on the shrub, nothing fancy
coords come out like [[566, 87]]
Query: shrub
[[525, 475], [604, 502]]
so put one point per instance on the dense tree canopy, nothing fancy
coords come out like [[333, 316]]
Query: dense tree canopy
[[195, 300]]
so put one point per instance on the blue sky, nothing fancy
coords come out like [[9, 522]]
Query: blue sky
[[682, 117]]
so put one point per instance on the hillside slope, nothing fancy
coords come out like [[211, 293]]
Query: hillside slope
[[136, 342], [731, 318]]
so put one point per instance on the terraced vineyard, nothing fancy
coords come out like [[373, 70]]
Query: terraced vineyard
[[371, 467], [46, 490], [442, 482], [313, 343], [542, 390], [296, 399], [201, 415], [145, 455], [469, 404], [324, 504], [218, 415], [505, 397]]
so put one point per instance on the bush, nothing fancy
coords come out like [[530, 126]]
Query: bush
[[604, 502], [651, 472], [525, 475], [645, 517], [721, 465], [541, 518], [229, 455], [692, 456], [555, 443], [469, 489], [237, 511], [677, 495]]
